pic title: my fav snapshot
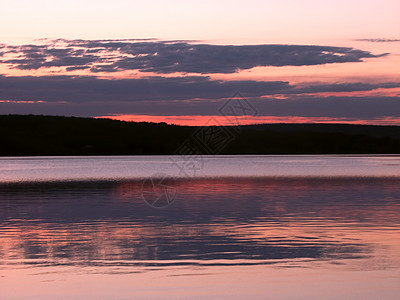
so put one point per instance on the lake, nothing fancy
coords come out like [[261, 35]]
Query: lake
[[225, 227]]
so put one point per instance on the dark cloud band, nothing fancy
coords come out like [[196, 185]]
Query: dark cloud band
[[196, 95], [172, 56], [89, 89]]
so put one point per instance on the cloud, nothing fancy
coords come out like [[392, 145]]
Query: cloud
[[89, 88], [379, 40], [191, 95], [165, 57], [77, 68], [85, 88], [341, 87]]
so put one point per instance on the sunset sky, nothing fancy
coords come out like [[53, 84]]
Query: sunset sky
[[180, 61]]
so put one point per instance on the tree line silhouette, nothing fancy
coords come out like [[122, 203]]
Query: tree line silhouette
[[23, 135]]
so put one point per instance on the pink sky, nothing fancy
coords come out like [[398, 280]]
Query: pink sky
[[305, 22]]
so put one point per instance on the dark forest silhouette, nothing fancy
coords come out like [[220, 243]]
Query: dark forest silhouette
[[53, 135]]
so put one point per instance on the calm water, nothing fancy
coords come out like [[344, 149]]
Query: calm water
[[248, 227]]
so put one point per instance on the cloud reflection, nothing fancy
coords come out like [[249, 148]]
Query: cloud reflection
[[214, 222]]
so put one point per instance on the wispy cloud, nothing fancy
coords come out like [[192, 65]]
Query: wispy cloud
[[381, 40]]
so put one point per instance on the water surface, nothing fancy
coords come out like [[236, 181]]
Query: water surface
[[260, 227]]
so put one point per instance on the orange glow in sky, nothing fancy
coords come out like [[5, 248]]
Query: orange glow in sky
[[219, 120]]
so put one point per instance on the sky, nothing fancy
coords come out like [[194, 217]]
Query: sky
[[181, 61]]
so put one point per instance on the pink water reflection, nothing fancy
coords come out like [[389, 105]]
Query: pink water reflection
[[274, 238]]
